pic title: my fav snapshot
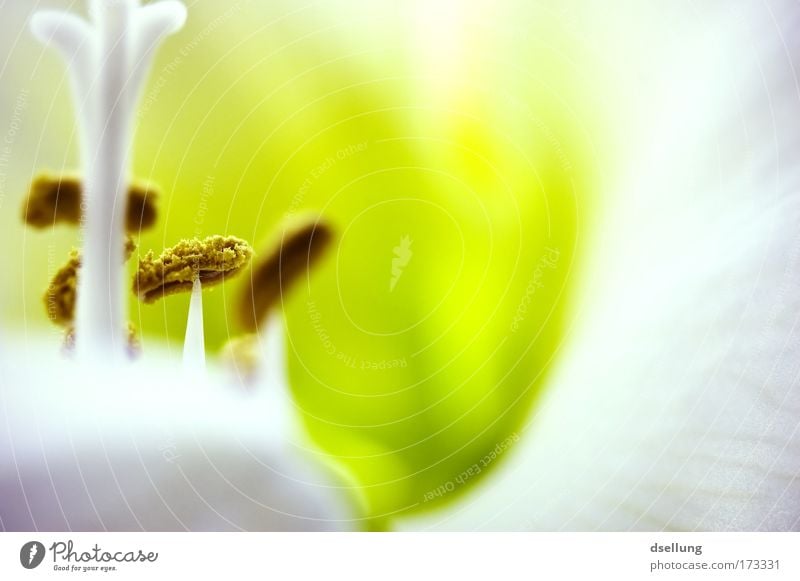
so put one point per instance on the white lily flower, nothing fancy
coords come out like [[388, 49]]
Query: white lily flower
[[676, 401]]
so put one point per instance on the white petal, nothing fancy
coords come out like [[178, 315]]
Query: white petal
[[141, 449], [676, 404]]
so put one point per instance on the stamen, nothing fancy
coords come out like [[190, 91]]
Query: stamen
[[57, 200], [210, 261], [189, 265], [304, 241]]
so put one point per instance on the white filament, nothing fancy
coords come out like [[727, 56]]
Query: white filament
[[194, 349], [108, 60]]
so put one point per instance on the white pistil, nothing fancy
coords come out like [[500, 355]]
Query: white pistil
[[108, 61], [194, 350]]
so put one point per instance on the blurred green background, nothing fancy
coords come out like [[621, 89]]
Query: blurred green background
[[462, 128]]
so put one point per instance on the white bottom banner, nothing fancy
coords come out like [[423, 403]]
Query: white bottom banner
[[376, 556]]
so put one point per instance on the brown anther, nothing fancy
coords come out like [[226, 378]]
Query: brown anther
[[211, 261], [60, 296], [57, 200], [302, 243]]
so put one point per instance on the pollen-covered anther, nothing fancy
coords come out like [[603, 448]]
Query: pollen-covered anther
[[57, 200], [303, 241], [60, 296], [210, 261]]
